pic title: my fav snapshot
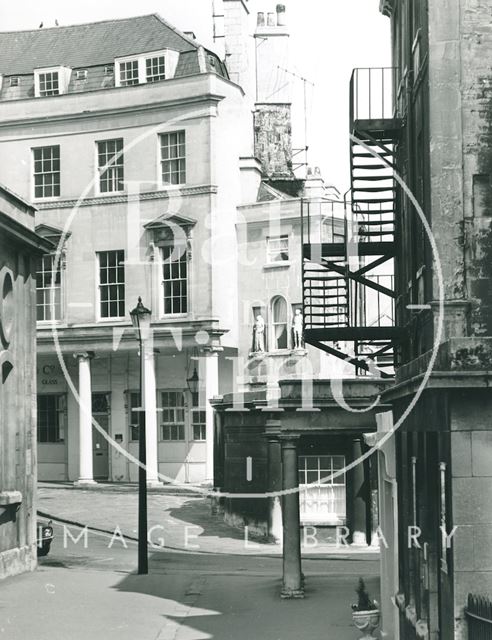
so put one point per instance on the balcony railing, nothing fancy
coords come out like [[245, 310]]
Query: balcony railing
[[372, 95]]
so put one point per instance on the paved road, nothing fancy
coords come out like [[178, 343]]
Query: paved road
[[89, 589], [182, 520], [80, 593]]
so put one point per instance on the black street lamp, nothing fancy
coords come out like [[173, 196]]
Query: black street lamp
[[141, 323]]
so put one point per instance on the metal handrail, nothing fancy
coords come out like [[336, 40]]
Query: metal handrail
[[368, 105]]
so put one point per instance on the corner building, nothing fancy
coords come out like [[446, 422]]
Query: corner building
[[129, 148]]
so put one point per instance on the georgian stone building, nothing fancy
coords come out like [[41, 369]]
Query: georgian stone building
[[130, 150], [435, 476], [139, 153]]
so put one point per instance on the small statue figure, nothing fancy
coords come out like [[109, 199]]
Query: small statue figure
[[297, 326], [259, 334]]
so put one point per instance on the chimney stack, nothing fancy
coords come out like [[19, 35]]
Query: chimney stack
[[260, 19], [271, 20], [281, 21]]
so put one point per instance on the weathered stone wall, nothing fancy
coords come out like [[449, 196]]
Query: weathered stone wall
[[476, 90], [17, 403]]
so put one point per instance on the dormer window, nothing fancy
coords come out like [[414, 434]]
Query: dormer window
[[81, 74], [51, 82], [128, 73], [155, 68], [146, 68], [14, 81], [108, 70]]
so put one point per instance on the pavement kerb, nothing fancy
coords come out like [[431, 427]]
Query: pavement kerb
[[324, 556], [167, 489]]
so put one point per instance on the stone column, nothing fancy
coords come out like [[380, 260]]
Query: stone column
[[292, 586], [150, 407], [86, 476], [274, 478], [358, 524], [211, 375]]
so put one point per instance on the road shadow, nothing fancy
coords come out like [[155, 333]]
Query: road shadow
[[197, 513]]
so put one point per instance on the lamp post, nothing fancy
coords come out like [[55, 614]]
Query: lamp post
[[141, 323]]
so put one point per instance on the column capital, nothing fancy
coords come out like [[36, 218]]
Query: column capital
[[289, 440], [273, 429], [84, 355], [211, 350]]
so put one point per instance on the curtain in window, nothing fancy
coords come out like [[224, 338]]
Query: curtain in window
[[279, 314]]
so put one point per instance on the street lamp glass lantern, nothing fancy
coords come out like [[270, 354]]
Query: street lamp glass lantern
[[141, 320], [193, 382]]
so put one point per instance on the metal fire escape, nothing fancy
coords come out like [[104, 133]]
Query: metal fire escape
[[349, 248]]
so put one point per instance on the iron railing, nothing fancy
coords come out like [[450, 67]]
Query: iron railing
[[372, 96], [479, 616]]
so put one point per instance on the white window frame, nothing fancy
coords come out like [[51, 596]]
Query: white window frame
[[273, 324], [182, 179], [198, 418], [116, 163], [170, 63], [101, 318], [45, 173], [50, 291], [130, 409], [123, 82], [183, 257], [272, 251], [167, 411], [340, 481], [154, 60], [63, 79]]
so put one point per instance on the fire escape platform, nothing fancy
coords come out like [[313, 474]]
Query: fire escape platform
[[338, 249], [383, 127], [347, 334]]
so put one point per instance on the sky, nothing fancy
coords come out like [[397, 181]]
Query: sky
[[328, 39]]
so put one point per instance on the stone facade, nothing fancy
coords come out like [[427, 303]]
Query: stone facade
[[443, 445], [19, 248]]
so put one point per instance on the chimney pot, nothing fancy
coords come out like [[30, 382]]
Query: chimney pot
[[260, 19], [281, 21], [271, 20]]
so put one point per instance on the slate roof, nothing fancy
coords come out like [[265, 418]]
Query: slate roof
[[93, 44]]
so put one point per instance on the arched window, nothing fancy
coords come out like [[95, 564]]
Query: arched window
[[280, 334]]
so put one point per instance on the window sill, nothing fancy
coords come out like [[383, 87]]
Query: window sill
[[46, 324], [47, 199], [172, 187], [109, 194], [174, 316], [51, 444], [277, 265], [119, 320]]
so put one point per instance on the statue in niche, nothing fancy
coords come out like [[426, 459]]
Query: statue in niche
[[297, 327], [259, 334]]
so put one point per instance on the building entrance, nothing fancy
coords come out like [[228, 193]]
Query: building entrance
[[100, 446]]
